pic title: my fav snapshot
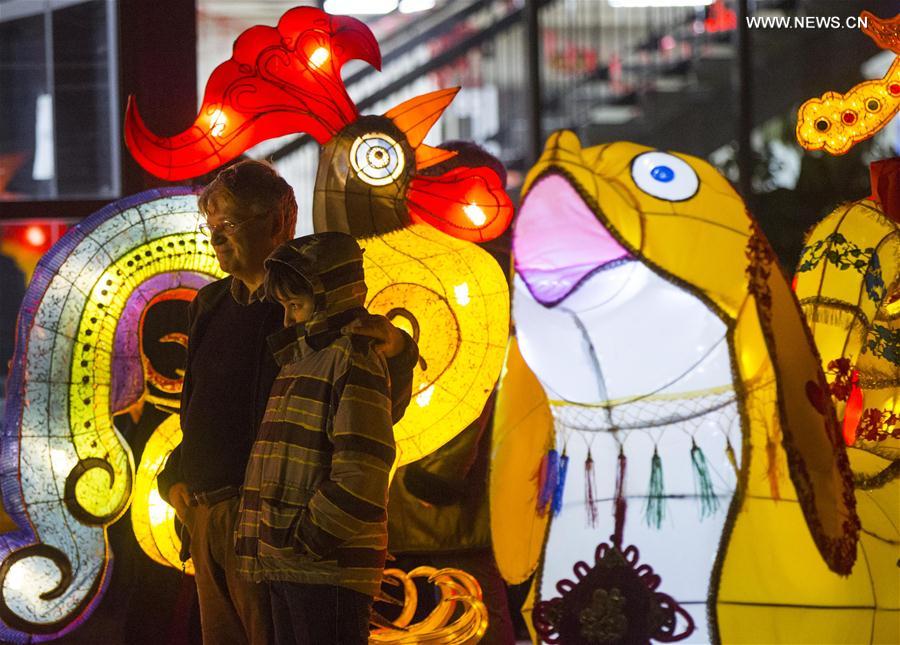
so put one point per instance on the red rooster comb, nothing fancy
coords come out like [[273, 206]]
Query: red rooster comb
[[287, 80], [279, 80]]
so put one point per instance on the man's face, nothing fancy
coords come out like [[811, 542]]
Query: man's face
[[298, 307], [241, 241]]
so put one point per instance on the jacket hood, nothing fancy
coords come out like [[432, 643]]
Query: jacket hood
[[332, 264]]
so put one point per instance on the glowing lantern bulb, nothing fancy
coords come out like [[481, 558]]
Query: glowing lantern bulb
[[474, 213], [462, 293], [217, 123], [423, 398], [35, 236], [319, 57]]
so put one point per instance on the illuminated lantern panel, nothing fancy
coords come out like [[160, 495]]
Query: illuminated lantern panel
[[521, 438], [67, 472], [651, 321], [153, 519], [452, 298], [846, 284]]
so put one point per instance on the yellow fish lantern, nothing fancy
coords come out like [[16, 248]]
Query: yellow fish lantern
[[86, 362], [836, 122], [846, 282], [680, 374]]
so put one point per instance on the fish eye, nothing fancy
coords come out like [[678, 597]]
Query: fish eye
[[664, 176], [822, 125], [873, 105], [377, 159]]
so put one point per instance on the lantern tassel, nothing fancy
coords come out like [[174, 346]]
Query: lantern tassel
[[590, 499], [556, 506], [709, 503], [620, 505], [655, 510], [732, 459], [548, 479], [772, 466]]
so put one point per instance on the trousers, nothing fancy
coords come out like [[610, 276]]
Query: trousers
[[305, 614], [233, 611]]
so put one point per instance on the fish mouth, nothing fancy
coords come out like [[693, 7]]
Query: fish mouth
[[559, 242]]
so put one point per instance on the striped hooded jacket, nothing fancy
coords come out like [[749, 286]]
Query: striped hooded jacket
[[313, 507]]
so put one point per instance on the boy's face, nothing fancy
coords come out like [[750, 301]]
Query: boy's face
[[298, 307]]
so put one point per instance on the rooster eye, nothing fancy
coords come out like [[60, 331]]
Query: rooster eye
[[376, 158]]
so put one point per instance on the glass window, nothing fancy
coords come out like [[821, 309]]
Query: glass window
[[58, 100]]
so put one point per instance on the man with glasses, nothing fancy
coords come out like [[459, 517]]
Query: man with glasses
[[249, 210]]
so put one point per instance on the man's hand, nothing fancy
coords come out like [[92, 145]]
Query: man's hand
[[390, 341], [179, 499]]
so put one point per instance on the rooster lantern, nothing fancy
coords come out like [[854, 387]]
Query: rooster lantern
[[416, 209]]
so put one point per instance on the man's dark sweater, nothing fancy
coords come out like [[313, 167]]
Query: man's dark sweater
[[230, 371]]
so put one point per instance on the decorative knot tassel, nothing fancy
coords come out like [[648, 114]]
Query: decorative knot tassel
[[709, 503], [556, 505], [655, 510], [590, 498]]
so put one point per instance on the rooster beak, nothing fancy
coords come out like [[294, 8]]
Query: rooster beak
[[416, 117]]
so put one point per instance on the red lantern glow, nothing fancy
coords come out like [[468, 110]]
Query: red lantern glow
[[36, 236], [853, 411], [467, 203]]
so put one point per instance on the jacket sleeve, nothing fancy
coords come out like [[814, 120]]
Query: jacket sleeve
[[171, 473], [355, 493], [400, 368], [441, 478]]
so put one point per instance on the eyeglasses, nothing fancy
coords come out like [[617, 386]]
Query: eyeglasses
[[227, 227]]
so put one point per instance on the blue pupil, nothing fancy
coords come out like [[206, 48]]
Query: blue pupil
[[663, 174]]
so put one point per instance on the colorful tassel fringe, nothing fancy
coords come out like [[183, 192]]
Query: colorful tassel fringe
[[556, 505], [549, 477], [772, 467], [620, 504], [732, 459], [655, 510], [709, 503], [590, 498]]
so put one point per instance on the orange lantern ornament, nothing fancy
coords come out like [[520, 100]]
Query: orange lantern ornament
[[836, 122]]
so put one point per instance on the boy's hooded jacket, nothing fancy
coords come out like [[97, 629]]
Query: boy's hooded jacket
[[315, 492]]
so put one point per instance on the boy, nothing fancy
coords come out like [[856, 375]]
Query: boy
[[312, 520]]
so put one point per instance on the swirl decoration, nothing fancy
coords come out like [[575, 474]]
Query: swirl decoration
[[614, 601], [457, 588], [66, 472], [836, 122], [155, 525]]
